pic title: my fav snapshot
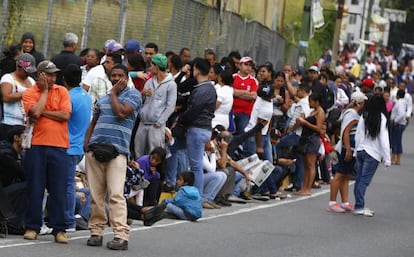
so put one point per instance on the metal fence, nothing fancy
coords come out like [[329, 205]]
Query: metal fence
[[171, 24]]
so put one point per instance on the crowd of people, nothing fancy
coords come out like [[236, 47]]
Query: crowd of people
[[94, 139]]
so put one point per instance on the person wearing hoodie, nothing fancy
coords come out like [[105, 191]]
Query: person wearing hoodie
[[160, 95], [186, 204], [28, 43]]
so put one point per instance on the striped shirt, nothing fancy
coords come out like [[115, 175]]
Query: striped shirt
[[109, 128]]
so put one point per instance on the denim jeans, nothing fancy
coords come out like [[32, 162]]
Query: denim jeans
[[196, 139], [177, 211], [213, 182], [366, 166], [71, 194], [238, 180], [292, 140], [46, 167], [271, 184], [84, 209], [396, 138], [175, 163]]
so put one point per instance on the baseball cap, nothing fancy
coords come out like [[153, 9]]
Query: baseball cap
[[108, 43], [160, 60], [358, 97], [47, 67], [246, 59], [27, 62], [369, 82], [314, 68], [114, 46], [132, 45]]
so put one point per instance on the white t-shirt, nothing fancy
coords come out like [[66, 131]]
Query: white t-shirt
[[13, 113], [221, 114], [370, 67], [261, 109]]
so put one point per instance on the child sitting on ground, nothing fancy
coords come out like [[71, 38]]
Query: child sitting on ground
[[186, 204]]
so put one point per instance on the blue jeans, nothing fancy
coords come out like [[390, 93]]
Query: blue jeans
[[366, 166], [73, 160], [196, 139], [46, 167], [84, 209], [174, 164], [271, 185], [238, 179], [396, 138], [177, 211], [292, 140], [213, 182]]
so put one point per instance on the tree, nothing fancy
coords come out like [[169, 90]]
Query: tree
[[13, 21]]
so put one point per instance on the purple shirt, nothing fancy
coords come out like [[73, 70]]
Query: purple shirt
[[144, 164]]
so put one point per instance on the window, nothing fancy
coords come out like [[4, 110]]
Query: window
[[352, 19], [350, 37], [354, 2]]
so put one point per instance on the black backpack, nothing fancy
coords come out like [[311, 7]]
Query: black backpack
[[328, 98]]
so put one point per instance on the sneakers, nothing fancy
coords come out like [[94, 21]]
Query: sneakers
[[117, 244], [94, 240], [244, 196], [44, 230], [61, 238], [216, 206], [235, 199], [70, 230], [366, 212], [335, 208], [30, 235], [168, 188], [207, 205], [222, 202], [347, 207]]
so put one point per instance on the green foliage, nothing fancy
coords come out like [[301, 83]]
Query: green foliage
[[13, 21], [323, 38]]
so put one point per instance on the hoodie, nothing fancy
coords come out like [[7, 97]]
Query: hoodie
[[37, 55], [188, 198], [161, 104]]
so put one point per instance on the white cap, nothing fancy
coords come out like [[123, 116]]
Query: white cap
[[359, 97]]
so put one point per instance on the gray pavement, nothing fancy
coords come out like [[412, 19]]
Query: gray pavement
[[291, 227]]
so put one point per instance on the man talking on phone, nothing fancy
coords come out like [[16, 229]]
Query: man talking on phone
[[107, 150]]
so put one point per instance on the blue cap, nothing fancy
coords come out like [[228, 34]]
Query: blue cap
[[132, 45]]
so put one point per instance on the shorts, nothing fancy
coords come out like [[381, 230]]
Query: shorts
[[344, 167], [313, 143]]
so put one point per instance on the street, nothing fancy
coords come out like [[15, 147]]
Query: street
[[297, 226]]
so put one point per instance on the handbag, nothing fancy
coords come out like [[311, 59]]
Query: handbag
[[104, 152]]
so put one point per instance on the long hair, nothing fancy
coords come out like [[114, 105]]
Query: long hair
[[372, 115]]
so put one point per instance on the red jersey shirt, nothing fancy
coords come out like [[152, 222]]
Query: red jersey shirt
[[248, 83]]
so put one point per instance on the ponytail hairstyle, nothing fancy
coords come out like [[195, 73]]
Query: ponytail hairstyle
[[372, 115]]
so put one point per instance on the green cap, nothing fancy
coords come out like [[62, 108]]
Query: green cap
[[160, 60]]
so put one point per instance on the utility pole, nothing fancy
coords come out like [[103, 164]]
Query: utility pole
[[335, 42], [367, 25], [304, 35]]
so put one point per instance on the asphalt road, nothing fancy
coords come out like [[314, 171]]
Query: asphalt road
[[288, 228]]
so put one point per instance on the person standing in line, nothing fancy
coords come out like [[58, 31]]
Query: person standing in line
[[12, 86], [197, 119], [346, 162], [160, 95], [107, 149], [48, 106], [399, 122], [28, 43], [78, 123], [67, 55], [371, 146]]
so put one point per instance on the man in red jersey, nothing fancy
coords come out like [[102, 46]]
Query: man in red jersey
[[245, 93]]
